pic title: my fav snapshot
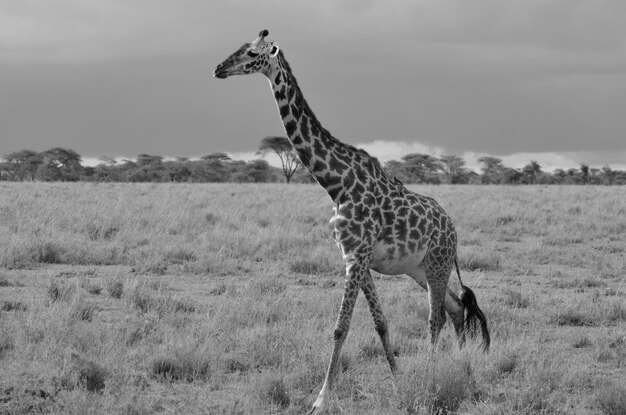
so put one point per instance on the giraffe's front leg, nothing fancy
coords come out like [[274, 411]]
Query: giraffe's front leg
[[354, 274]]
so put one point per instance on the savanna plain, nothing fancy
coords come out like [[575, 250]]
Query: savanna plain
[[221, 299]]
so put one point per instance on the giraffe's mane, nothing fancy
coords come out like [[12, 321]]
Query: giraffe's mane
[[369, 159]]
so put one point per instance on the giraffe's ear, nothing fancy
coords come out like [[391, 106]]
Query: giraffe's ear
[[274, 51]]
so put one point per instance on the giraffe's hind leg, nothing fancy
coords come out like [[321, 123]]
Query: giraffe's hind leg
[[380, 323], [436, 287], [437, 315], [451, 304], [456, 311]]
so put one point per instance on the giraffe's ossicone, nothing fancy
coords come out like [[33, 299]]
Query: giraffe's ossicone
[[378, 224]]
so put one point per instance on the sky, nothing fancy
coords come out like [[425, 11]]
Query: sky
[[523, 80]]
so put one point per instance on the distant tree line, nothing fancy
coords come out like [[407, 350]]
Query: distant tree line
[[423, 168], [61, 164]]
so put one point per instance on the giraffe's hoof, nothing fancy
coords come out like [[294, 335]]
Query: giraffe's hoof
[[315, 410], [318, 406]]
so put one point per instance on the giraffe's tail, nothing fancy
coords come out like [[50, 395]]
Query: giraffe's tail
[[473, 314]]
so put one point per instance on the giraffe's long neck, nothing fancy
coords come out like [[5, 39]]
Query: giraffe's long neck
[[330, 161]]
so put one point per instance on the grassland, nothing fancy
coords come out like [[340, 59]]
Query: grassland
[[221, 299]]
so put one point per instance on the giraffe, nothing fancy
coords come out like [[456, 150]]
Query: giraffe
[[377, 224]]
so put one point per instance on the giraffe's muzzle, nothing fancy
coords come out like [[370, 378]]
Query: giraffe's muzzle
[[219, 72]]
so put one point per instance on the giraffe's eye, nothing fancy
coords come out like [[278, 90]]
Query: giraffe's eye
[[252, 54]]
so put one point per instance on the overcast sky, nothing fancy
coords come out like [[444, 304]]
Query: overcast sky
[[519, 79]]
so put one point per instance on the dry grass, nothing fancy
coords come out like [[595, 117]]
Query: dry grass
[[221, 299]]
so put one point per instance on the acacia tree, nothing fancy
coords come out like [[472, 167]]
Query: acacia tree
[[421, 168], [532, 170], [285, 152], [395, 168], [584, 171], [492, 169], [216, 157], [60, 164], [454, 168], [21, 165]]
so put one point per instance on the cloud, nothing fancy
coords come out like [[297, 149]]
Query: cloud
[[394, 150]]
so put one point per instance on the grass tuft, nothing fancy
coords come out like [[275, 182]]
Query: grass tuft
[[59, 291], [439, 389], [234, 365], [611, 399], [475, 261], [4, 282], [504, 220], [506, 364], [96, 232], [181, 366], [115, 288], [573, 318], [179, 256], [6, 345], [308, 266], [614, 313], [146, 301], [515, 299], [92, 376], [94, 289], [49, 253], [83, 373], [581, 342], [81, 311], [274, 392], [13, 306]]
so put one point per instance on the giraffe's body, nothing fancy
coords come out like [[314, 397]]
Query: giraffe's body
[[378, 224]]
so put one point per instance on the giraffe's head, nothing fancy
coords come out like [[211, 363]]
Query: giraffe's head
[[258, 56]]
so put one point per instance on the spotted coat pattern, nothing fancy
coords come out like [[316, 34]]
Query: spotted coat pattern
[[378, 224]]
